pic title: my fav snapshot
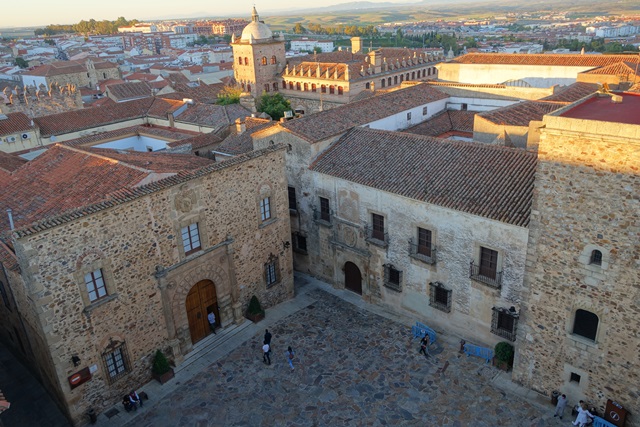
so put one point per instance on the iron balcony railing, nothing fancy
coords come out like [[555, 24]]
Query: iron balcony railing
[[485, 275], [376, 237], [426, 254]]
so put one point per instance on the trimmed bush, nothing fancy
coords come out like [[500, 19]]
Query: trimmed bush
[[504, 352], [160, 364]]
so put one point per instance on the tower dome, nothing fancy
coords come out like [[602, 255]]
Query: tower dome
[[256, 31]]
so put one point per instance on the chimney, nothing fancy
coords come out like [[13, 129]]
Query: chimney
[[240, 127], [356, 44]]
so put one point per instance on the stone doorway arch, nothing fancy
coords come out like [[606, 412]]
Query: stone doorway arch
[[200, 301], [352, 277]]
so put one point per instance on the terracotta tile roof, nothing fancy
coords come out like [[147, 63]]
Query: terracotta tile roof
[[128, 91], [15, 123], [444, 123], [621, 68], [243, 143], [199, 142], [213, 115], [436, 171], [155, 131], [543, 59], [573, 92], [325, 124], [65, 178], [71, 121], [67, 67], [10, 162], [520, 114], [8, 258]]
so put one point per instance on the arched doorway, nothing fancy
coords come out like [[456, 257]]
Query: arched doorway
[[352, 278], [200, 301]]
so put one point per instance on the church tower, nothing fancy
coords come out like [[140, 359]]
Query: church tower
[[258, 57]]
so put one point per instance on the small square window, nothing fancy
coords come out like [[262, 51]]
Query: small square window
[[424, 111], [464, 107], [265, 209], [574, 377], [392, 277], [299, 243], [191, 239], [95, 285], [408, 116]]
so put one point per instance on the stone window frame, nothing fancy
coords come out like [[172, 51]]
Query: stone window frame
[[109, 358], [477, 250], [570, 322], [392, 277], [438, 289], [272, 274], [499, 316], [373, 230], [265, 192], [100, 263], [585, 258], [191, 239], [574, 318], [414, 247], [189, 219], [95, 280], [299, 242]]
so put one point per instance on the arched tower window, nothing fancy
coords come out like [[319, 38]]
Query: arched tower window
[[273, 59], [596, 257], [239, 61], [585, 324], [264, 60], [246, 61], [340, 90]]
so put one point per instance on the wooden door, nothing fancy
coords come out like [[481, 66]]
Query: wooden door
[[352, 278], [201, 297]]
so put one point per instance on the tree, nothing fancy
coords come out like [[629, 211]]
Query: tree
[[229, 95], [317, 49], [274, 105], [299, 29], [20, 62]]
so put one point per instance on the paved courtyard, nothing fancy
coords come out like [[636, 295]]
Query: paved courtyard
[[352, 368]]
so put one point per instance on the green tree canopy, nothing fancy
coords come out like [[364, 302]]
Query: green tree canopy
[[274, 105], [20, 62], [229, 95]]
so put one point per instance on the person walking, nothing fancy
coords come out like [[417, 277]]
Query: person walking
[[265, 354], [290, 354], [562, 403], [212, 321], [267, 337], [424, 345]]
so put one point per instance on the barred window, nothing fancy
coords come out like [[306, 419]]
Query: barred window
[[392, 277], [504, 322], [265, 209], [325, 210], [439, 297], [271, 268], [596, 257], [115, 360], [191, 239], [585, 324], [95, 285], [377, 231], [293, 203]]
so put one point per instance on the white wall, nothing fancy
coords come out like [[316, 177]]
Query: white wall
[[477, 104], [400, 121], [136, 143]]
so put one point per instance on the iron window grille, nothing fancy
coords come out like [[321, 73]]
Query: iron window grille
[[293, 202], [596, 257], [191, 239], [116, 361], [299, 242], [392, 278], [440, 297], [265, 209], [271, 271], [504, 322], [96, 287]]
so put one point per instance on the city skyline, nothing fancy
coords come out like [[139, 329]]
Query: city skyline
[[43, 13]]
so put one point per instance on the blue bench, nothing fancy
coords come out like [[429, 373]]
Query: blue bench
[[600, 422], [420, 330], [476, 350]]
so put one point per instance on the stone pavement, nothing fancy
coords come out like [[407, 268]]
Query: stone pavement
[[30, 403], [355, 365]]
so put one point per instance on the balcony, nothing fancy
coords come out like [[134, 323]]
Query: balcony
[[485, 275], [376, 237], [426, 254], [322, 218]]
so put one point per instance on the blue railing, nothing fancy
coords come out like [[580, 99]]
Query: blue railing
[[476, 350], [420, 329], [601, 422]]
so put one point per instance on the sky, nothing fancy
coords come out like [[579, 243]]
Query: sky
[[14, 13]]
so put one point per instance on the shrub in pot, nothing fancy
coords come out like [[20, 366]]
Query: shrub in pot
[[255, 313], [503, 355], [161, 369]]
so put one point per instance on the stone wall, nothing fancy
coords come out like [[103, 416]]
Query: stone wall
[[134, 241], [586, 199]]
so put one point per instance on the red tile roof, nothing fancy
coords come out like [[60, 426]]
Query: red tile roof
[[520, 114], [543, 59], [445, 123], [573, 92], [15, 123], [10, 162], [440, 172], [325, 124], [126, 91], [213, 115], [618, 69], [67, 67]]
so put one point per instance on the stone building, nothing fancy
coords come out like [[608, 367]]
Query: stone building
[[108, 256], [325, 80], [579, 331], [76, 73]]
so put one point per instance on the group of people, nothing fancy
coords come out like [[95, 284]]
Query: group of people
[[131, 401], [266, 351], [584, 418]]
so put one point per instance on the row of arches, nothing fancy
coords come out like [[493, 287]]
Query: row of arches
[[312, 87], [263, 60]]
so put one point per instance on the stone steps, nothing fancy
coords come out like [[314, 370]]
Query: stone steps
[[204, 347]]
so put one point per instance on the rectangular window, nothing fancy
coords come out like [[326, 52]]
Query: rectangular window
[[377, 230], [191, 239], [408, 116], [424, 242], [504, 322], [95, 285], [265, 209], [464, 107], [325, 211], [392, 277], [271, 272], [439, 297], [5, 297], [116, 362], [424, 111], [293, 203], [299, 243], [488, 263]]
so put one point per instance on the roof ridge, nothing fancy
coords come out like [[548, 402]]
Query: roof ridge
[[107, 158]]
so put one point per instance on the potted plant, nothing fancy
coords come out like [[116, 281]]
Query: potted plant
[[161, 369], [255, 313], [503, 356]]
